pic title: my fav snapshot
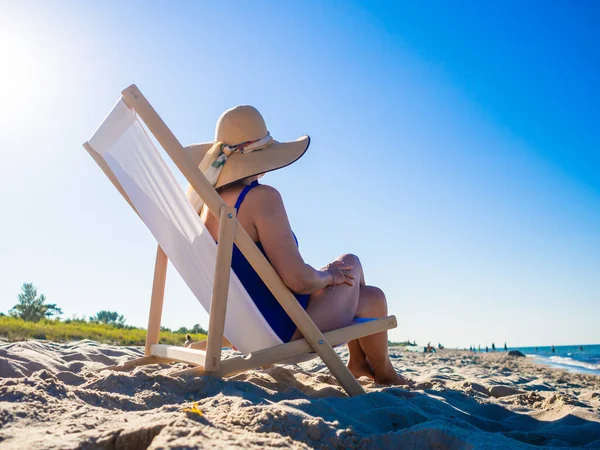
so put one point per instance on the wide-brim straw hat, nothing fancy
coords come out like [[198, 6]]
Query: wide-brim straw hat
[[244, 124]]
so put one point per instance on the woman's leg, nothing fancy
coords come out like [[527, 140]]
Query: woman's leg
[[331, 309], [373, 304], [357, 362]]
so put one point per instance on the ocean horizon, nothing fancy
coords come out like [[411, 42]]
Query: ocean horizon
[[583, 358], [574, 358]]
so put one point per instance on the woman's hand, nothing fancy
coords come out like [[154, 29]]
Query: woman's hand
[[340, 273]]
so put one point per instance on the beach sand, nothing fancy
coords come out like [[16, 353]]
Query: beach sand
[[53, 396]]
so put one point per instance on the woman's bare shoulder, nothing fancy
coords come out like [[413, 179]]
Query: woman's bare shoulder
[[264, 197], [266, 189]]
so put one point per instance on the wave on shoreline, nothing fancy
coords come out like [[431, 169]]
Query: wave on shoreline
[[562, 362]]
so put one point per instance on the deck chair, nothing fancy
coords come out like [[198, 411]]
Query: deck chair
[[127, 154]]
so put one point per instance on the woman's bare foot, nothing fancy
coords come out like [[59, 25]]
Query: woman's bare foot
[[361, 369], [394, 379], [389, 376]]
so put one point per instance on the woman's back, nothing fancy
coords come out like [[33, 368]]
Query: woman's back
[[267, 304], [264, 218]]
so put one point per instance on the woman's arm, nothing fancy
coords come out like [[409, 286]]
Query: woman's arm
[[276, 237]]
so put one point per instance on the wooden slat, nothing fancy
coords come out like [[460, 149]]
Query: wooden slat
[[293, 349], [134, 99], [218, 304], [157, 299], [175, 353], [201, 345]]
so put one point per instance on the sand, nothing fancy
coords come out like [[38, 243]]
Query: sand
[[54, 396]]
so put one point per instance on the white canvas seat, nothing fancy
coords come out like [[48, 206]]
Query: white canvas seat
[[128, 156], [123, 143]]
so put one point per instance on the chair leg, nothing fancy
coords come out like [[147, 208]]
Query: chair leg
[[158, 296], [218, 304]]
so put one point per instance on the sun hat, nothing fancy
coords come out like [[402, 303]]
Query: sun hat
[[243, 148]]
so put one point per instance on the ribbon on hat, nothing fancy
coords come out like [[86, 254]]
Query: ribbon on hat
[[216, 157]]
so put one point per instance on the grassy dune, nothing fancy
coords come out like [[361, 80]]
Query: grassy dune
[[54, 330]]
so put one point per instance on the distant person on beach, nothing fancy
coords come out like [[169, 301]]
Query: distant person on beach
[[429, 348], [493, 347], [505, 347], [486, 349], [334, 295], [581, 348], [553, 350]]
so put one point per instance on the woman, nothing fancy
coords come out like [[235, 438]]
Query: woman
[[332, 296]]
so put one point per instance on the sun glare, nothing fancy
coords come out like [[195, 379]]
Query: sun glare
[[22, 78]]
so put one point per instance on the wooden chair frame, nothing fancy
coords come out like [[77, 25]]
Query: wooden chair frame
[[208, 361]]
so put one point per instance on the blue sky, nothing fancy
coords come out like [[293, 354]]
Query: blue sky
[[455, 149]]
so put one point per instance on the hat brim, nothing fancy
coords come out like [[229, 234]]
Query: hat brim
[[240, 166]]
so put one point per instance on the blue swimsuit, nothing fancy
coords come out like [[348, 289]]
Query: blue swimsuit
[[266, 303]]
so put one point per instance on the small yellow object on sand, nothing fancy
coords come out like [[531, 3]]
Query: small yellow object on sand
[[194, 409]]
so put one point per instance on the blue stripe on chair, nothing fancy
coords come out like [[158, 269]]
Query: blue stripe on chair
[[364, 319]]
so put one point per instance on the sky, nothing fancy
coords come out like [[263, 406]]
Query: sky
[[455, 148]]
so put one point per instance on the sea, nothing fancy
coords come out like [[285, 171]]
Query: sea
[[574, 358]]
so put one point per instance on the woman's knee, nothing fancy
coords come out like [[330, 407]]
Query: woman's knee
[[353, 261], [379, 298], [372, 302]]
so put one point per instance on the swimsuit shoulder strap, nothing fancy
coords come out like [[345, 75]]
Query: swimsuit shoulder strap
[[243, 194]]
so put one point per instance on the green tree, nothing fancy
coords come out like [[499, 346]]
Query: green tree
[[31, 307], [109, 317], [197, 329]]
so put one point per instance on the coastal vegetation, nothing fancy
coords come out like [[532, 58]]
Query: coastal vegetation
[[31, 307], [32, 318], [109, 318], [17, 329]]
